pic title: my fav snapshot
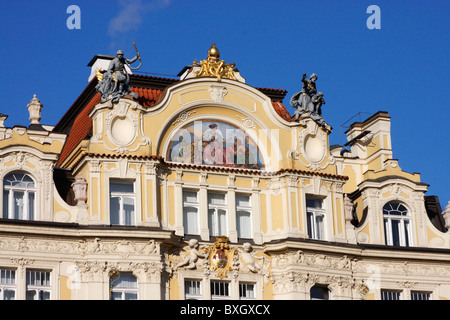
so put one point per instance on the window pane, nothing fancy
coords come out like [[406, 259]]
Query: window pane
[[407, 232], [128, 209], [314, 203], [31, 295], [222, 222], [247, 291], [390, 295], [130, 296], [44, 295], [114, 208], [310, 223], [319, 227], [31, 205], [395, 232], [9, 294], [190, 196], [5, 203], [192, 287], [243, 200], [121, 186], [216, 198], [190, 218], [220, 289], [18, 204], [417, 295], [244, 224], [116, 295], [319, 292], [125, 280]]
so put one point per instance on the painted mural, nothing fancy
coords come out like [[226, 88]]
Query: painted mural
[[218, 143]]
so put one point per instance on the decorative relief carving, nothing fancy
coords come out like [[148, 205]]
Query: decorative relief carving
[[183, 116], [217, 93], [221, 258], [312, 147], [122, 248]]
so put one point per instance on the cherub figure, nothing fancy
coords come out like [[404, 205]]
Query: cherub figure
[[189, 262]]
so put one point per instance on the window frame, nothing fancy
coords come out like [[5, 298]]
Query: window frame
[[195, 205], [8, 286], [191, 296], [312, 213], [9, 208], [124, 290], [226, 288], [121, 195], [404, 231], [390, 293], [214, 222], [38, 288], [247, 209], [243, 287], [416, 294]]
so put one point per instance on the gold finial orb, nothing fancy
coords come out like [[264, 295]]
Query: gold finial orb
[[214, 52]]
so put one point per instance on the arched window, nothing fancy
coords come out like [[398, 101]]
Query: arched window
[[216, 143], [123, 286], [19, 196], [397, 224]]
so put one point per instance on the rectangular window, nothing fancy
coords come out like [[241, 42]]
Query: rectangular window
[[247, 291], [418, 295], [122, 202], [243, 216], [220, 290], [7, 284], [190, 212], [390, 295], [38, 285], [315, 214], [192, 290], [217, 214]]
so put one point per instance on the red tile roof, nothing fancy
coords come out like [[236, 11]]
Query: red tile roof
[[82, 125]]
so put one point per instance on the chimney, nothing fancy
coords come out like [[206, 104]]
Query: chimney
[[35, 108]]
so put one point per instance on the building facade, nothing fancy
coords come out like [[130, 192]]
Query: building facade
[[204, 187]]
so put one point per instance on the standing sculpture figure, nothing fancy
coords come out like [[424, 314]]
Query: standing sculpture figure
[[309, 100], [116, 81], [302, 100]]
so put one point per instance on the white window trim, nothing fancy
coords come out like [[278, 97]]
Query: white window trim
[[26, 191], [216, 208], [39, 288], [246, 209], [222, 297], [9, 286], [315, 212], [194, 205], [387, 220], [193, 296], [245, 283], [123, 291], [121, 196]]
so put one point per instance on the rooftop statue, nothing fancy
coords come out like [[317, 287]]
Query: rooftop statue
[[213, 67], [309, 100], [115, 82]]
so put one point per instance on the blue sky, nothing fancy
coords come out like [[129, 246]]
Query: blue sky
[[401, 68]]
